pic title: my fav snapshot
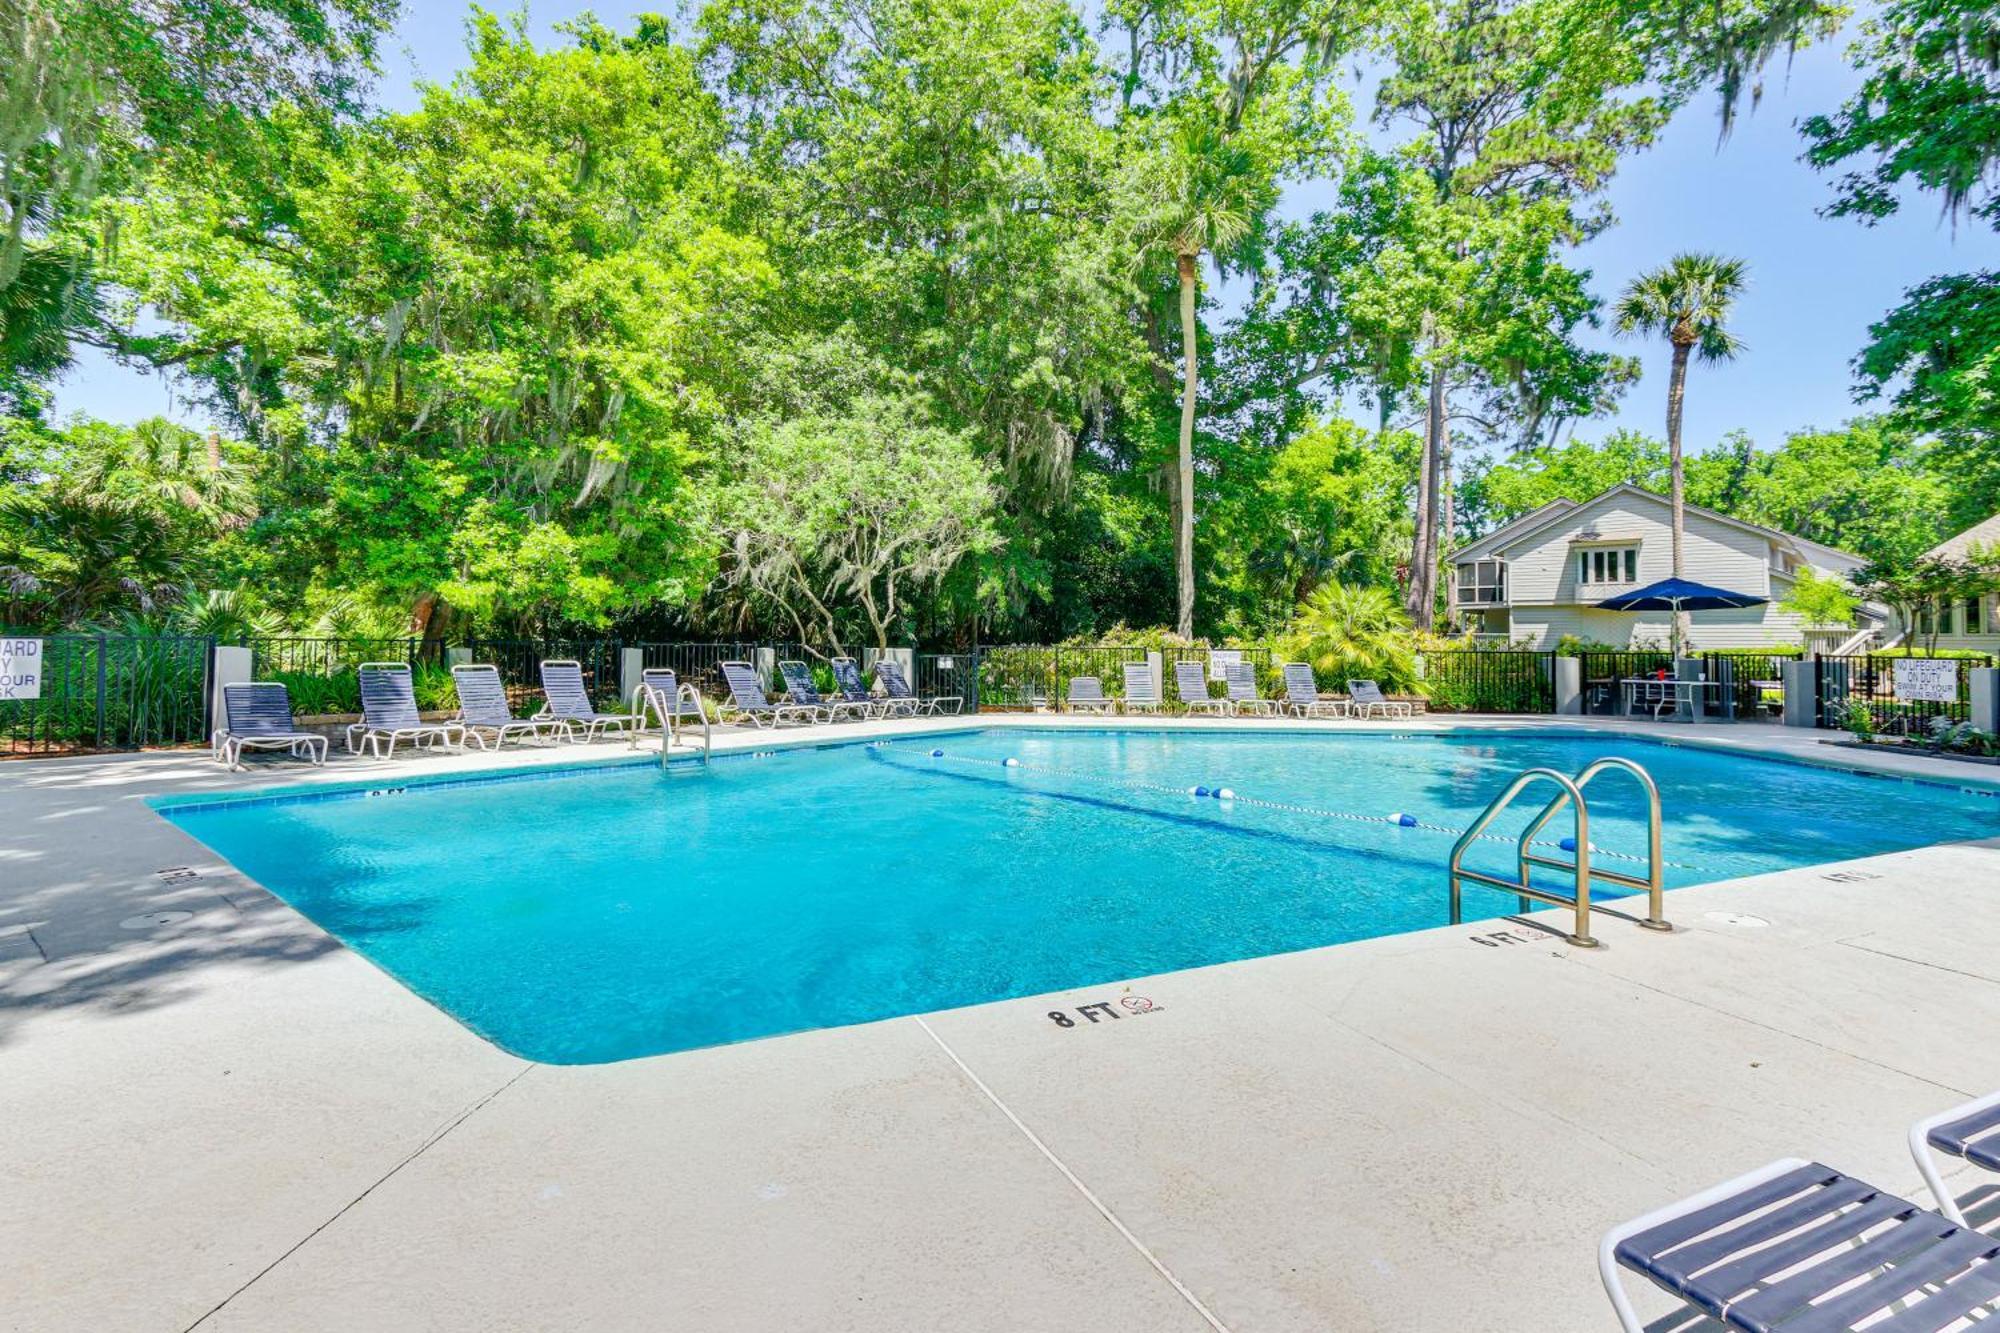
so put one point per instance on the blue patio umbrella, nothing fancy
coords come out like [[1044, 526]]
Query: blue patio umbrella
[[1678, 595]]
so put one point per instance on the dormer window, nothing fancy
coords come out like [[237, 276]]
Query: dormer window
[[1608, 564]]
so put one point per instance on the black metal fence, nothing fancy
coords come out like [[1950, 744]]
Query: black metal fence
[[1861, 692], [949, 676], [111, 692], [1487, 681]]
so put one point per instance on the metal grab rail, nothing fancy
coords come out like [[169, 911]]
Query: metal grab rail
[[1569, 793], [1580, 815], [648, 697], [1652, 885]]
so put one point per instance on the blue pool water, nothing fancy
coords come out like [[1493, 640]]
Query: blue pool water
[[623, 911]]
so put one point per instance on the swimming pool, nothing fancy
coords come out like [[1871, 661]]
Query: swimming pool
[[616, 911]]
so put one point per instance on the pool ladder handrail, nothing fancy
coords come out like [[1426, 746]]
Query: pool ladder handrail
[[648, 697], [1569, 792]]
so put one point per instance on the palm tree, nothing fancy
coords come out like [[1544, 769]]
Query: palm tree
[[1207, 200], [1350, 631], [1689, 300]]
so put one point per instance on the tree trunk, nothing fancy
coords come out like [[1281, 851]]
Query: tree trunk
[[1422, 601], [1676, 390], [1184, 489]]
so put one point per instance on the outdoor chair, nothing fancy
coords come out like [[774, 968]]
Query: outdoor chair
[[1240, 682], [259, 717], [569, 700], [799, 689], [1086, 695], [1971, 1133], [483, 710], [1191, 684], [1302, 694], [1141, 694], [1799, 1247], [847, 683], [389, 714], [890, 672], [1369, 701], [660, 691], [746, 696]]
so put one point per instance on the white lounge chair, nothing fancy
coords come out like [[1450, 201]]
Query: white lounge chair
[[1141, 694], [1369, 701], [904, 699], [1191, 684], [1086, 695], [1800, 1247], [483, 710], [1240, 681], [847, 682], [799, 689], [258, 716], [1971, 1133], [389, 714], [747, 697], [569, 699], [1302, 694], [660, 694]]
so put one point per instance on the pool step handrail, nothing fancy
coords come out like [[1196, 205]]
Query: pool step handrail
[[1569, 794], [652, 697], [1580, 820], [1652, 884]]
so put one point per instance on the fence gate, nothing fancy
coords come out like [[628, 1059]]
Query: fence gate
[[111, 692]]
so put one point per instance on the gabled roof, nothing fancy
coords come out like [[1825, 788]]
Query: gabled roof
[[1533, 522], [1960, 547]]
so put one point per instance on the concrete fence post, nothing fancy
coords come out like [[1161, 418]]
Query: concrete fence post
[[766, 664], [1569, 686], [1156, 666], [232, 667], [457, 657], [1801, 692], [1986, 699], [1689, 668], [631, 661]]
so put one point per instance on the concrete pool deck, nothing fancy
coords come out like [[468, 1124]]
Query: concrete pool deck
[[226, 1120]]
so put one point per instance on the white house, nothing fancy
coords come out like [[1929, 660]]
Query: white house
[[1539, 578], [1975, 622]]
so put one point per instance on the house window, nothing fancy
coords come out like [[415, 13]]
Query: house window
[[1482, 583], [1970, 617], [1608, 564], [1925, 621]]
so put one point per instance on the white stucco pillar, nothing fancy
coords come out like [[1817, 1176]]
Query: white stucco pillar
[[232, 667], [1986, 699], [1801, 692]]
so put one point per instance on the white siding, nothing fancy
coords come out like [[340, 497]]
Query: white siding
[[1547, 601]]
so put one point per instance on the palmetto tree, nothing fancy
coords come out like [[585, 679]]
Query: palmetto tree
[[1688, 300], [1207, 199]]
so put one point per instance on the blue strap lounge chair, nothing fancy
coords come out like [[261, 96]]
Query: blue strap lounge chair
[[848, 684], [1369, 701], [485, 714], [746, 696], [258, 716], [1971, 1133], [1800, 1248], [1302, 694], [660, 694], [904, 699], [569, 700], [1141, 694], [799, 689], [1191, 684], [1240, 682], [389, 714]]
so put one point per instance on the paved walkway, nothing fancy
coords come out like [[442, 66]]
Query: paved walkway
[[224, 1120]]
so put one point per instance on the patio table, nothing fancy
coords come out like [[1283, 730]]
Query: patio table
[[1678, 695]]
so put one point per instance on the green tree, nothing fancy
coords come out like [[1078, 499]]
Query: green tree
[[1821, 600], [1688, 302], [1354, 632], [1927, 115], [830, 515]]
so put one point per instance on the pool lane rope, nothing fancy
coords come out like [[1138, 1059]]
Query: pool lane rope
[[1228, 796]]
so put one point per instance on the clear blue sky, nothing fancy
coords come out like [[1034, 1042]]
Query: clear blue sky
[[1815, 283]]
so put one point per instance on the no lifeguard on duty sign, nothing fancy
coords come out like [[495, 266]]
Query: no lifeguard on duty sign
[[20, 668]]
